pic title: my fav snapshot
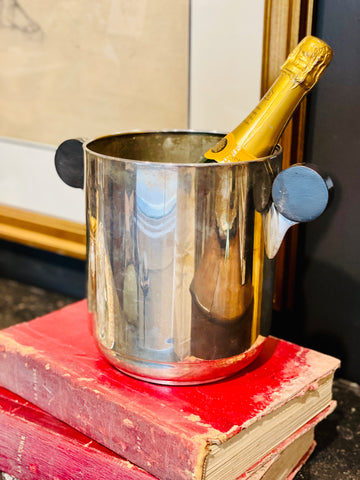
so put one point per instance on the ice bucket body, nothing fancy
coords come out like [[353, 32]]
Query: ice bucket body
[[179, 284]]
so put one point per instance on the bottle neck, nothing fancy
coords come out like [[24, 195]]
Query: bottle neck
[[261, 130], [259, 133]]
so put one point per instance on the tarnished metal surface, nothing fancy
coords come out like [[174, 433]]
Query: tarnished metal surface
[[171, 259]]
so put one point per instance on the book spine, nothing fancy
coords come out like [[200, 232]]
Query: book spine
[[158, 449], [30, 451]]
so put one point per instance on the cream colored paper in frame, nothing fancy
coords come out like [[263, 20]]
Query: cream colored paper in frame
[[88, 67]]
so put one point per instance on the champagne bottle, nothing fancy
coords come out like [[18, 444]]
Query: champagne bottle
[[259, 133]]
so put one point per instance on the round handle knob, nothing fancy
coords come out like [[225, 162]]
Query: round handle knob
[[69, 163], [302, 192]]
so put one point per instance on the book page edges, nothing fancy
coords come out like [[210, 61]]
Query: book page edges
[[274, 454], [293, 415]]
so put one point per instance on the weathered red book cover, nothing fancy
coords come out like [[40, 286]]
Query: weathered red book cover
[[53, 362], [36, 446]]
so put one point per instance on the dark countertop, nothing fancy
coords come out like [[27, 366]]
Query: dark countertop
[[337, 455], [20, 302]]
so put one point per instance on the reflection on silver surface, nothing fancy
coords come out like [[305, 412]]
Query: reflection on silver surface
[[275, 228], [171, 259]]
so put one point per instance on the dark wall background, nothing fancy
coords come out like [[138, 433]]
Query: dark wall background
[[327, 313]]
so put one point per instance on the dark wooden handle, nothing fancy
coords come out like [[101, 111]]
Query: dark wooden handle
[[69, 162]]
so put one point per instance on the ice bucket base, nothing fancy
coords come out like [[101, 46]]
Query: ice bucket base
[[190, 371]]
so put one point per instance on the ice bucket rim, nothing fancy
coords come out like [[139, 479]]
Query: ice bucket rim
[[88, 143]]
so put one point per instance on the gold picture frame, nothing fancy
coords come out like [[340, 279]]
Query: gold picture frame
[[42, 231], [286, 23]]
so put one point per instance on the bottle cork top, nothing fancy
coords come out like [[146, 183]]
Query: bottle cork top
[[307, 62]]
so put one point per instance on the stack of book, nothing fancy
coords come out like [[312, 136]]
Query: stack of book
[[65, 413]]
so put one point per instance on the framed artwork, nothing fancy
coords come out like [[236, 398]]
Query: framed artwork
[[83, 68]]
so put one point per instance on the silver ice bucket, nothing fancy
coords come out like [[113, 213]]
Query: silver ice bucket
[[180, 254]]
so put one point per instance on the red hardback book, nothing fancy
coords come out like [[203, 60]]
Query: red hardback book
[[207, 432], [36, 446]]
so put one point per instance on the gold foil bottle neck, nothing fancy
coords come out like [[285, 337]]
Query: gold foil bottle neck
[[307, 61], [258, 133]]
